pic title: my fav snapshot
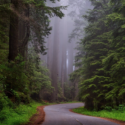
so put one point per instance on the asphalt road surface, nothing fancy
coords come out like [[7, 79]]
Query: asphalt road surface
[[60, 115]]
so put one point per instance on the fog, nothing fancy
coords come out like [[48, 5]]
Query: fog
[[63, 39]]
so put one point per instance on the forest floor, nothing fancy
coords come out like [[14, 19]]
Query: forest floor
[[120, 122], [37, 118]]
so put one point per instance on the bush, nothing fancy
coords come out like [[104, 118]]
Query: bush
[[5, 101], [19, 115]]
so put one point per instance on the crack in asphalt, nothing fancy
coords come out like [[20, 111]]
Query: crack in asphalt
[[79, 122]]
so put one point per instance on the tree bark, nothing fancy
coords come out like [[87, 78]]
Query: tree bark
[[55, 61], [13, 32], [24, 31]]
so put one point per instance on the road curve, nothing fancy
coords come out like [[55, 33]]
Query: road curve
[[60, 115]]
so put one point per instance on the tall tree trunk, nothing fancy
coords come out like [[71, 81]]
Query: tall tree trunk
[[13, 40], [13, 32], [55, 60], [63, 69], [19, 29], [24, 30]]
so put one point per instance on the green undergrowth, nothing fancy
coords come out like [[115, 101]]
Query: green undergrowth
[[113, 114], [19, 115]]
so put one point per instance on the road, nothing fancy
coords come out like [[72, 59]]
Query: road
[[60, 115]]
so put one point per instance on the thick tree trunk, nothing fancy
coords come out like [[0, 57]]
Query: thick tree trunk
[[13, 40], [13, 33], [24, 31], [19, 29]]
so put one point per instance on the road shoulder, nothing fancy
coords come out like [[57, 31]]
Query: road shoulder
[[112, 120]]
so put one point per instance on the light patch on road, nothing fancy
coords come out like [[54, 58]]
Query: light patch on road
[[79, 122]]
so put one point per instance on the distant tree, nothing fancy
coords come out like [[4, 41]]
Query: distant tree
[[38, 76], [55, 61]]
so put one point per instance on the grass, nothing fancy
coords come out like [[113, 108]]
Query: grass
[[114, 114], [18, 116]]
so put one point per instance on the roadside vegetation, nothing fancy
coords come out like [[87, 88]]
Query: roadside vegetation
[[19, 115], [116, 113]]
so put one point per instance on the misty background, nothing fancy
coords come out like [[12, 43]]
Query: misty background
[[62, 43]]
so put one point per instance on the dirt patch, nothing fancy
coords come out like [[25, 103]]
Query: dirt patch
[[38, 118], [112, 120]]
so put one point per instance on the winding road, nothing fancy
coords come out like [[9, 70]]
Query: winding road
[[60, 115]]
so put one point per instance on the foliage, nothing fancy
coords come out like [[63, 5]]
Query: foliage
[[60, 95], [95, 48], [14, 74], [25, 75], [100, 57], [113, 114], [39, 21], [69, 91], [5, 102], [4, 21], [77, 10], [114, 62], [38, 74], [19, 115], [23, 83]]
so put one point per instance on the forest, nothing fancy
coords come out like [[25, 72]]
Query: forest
[[44, 58]]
